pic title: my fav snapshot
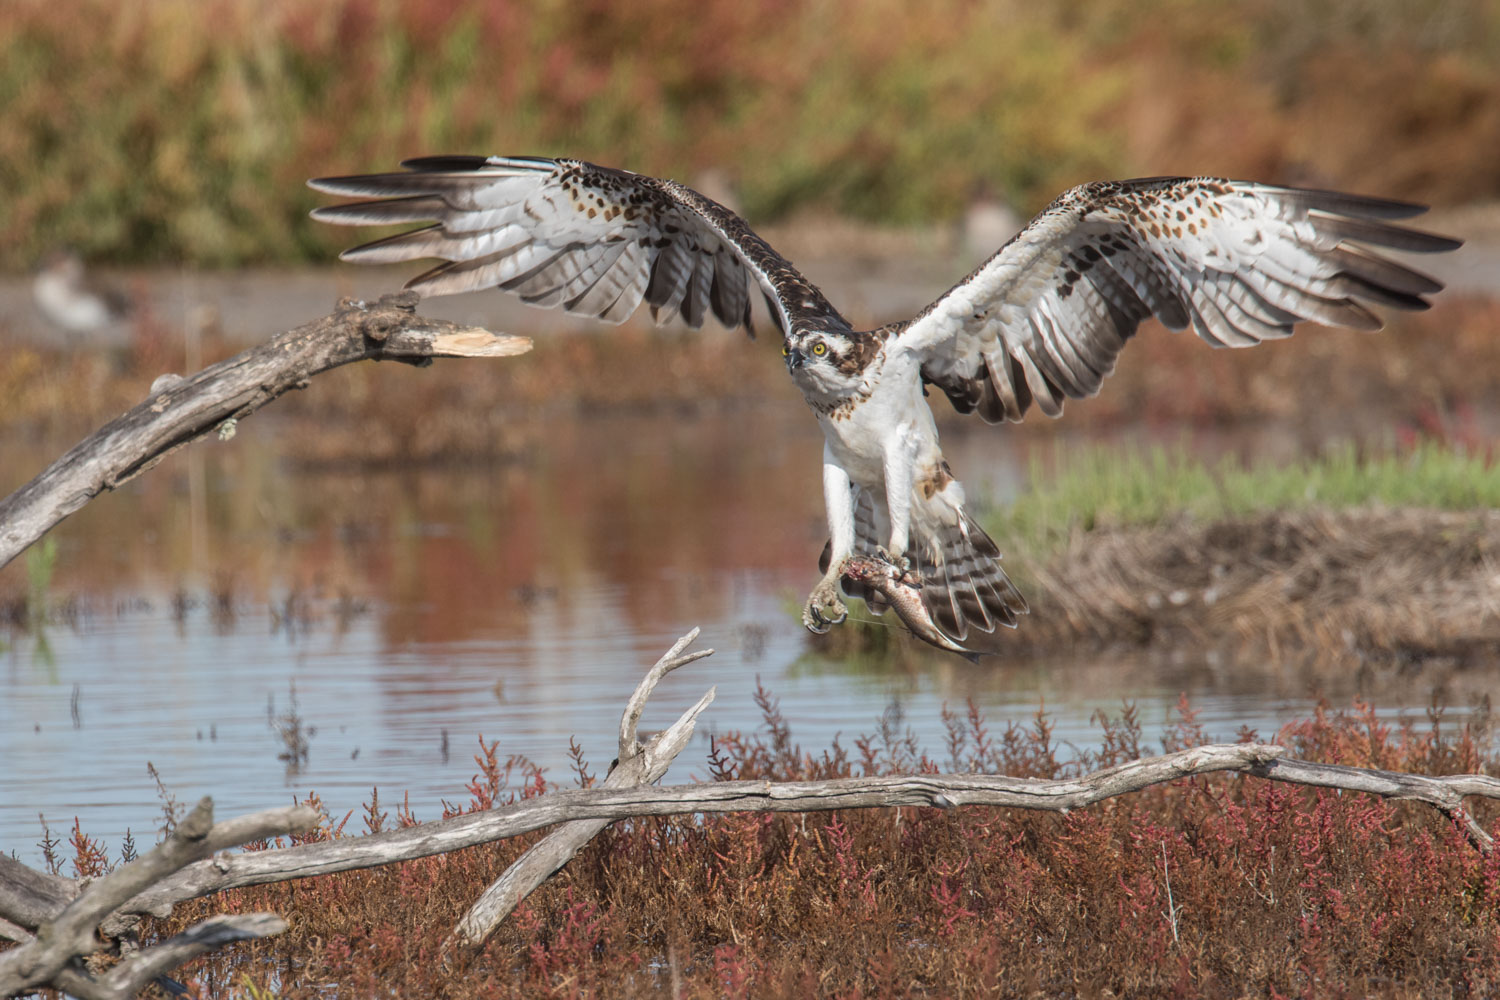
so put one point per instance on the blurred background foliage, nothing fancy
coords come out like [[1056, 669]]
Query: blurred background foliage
[[182, 130]]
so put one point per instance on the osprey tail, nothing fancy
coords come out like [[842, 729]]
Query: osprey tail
[[958, 576], [962, 584]]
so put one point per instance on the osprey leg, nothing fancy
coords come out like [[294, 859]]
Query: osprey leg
[[824, 609]]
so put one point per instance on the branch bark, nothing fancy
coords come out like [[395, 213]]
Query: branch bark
[[636, 765], [940, 790], [178, 411], [50, 957], [64, 920]]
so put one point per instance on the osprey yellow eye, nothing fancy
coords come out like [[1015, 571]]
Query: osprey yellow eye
[[785, 350], [820, 349]]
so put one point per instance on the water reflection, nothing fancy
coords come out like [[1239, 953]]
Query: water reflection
[[413, 610]]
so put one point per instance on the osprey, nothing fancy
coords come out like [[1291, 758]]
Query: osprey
[[1040, 321]]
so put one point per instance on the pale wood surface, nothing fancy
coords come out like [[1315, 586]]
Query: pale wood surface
[[180, 410], [636, 765], [61, 937]]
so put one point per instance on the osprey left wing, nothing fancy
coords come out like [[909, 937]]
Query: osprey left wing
[[1044, 318]]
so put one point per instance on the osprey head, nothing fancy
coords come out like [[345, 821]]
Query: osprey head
[[825, 361]]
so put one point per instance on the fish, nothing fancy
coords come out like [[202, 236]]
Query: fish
[[905, 598]]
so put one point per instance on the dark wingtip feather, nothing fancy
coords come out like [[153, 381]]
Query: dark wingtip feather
[[1357, 205], [1391, 298], [373, 185], [1387, 273], [381, 251], [382, 212], [1380, 234], [331, 185], [445, 164]]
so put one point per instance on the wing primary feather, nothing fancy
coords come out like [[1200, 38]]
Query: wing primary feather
[[1009, 383], [1387, 273], [434, 241], [670, 273], [1073, 374], [1379, 234], [1306, 305], [634, 290], [475, 164], [1046, 394], [586, 300], [383, 211], [695, 301], [1362, 206], [1381, 295]]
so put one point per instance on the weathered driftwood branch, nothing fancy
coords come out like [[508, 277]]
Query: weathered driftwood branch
[[181, 410], [636, 765], [65, 919], [30, 898], [67, 930], [941, 790]]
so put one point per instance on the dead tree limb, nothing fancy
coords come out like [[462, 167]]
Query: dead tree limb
[[178, 411], [51, 956], [636, 765], [29, 901], [940, 790]]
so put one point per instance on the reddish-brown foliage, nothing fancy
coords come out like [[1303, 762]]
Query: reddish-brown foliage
[[1208, 887]]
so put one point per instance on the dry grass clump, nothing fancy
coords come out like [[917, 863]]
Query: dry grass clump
[[1382, 557], [1368, 584], [1209, 887]]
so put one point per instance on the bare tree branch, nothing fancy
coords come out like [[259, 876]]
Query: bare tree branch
[[156, 882], [142, 967], [941, 790], [670, 661], [49, 958], [55, 922], [29, 897], [14, 932], [178, 411], [636, 765], [1445, 792]]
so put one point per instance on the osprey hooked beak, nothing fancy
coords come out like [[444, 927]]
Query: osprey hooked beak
[[794, 358]]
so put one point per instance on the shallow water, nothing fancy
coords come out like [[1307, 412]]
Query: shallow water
[[410, 612]]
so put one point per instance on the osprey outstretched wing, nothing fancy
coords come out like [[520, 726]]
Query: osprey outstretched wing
[[1046, 316], [591, 239], [1041, 321]]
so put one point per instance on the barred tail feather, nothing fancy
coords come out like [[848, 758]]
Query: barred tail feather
[[963, 585]]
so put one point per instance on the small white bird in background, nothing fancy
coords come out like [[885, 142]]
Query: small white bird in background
[[1041, 321], [987, 222], [67, 295]]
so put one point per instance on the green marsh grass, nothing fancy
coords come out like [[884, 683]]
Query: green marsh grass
[[1091, 488]]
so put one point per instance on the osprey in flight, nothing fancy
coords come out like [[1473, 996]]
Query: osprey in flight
[[1040, 321]]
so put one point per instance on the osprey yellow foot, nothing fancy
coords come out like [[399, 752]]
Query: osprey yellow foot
[[824, 609]]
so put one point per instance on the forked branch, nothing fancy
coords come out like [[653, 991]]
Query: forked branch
[[940, 790], [50, 954], [627, 792], [636, 765]]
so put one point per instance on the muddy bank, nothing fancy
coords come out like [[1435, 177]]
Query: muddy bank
[[1376, 586]]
